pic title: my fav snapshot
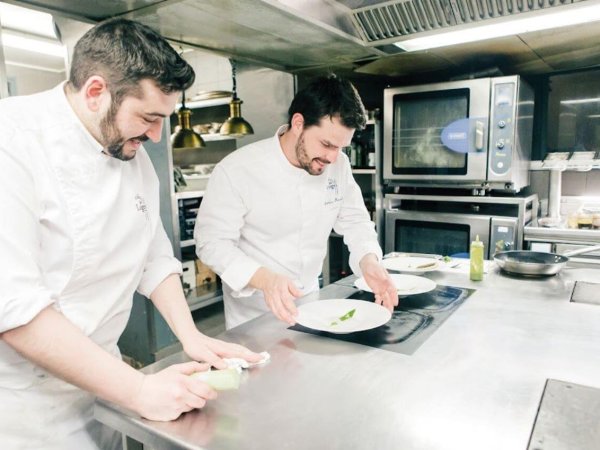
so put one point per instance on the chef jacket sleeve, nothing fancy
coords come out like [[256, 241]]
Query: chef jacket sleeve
[[217, 233], [160, 262], [354, 223], [22, 291]]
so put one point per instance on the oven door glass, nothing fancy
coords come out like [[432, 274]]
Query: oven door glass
[[419, 120], [451, 239]]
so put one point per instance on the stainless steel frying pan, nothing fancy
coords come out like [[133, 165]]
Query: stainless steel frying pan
[[527, 262]]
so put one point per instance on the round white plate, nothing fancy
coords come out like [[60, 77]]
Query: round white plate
[[406, 284], [412, 264], [325, 315]]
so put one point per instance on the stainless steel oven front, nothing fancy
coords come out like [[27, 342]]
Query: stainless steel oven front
[[474, 133], [447, 226]]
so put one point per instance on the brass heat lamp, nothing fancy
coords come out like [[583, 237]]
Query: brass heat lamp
[[186, 137], [235, 125]]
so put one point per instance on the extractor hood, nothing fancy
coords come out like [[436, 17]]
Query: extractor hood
[[353, 35]]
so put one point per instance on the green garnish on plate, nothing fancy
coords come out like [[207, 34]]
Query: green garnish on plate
[[346, 316]]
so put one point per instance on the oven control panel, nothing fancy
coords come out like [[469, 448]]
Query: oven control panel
[[502, 128], [503, 234]]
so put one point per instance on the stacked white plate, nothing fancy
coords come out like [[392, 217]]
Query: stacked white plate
[[413, 264], [405, 284]]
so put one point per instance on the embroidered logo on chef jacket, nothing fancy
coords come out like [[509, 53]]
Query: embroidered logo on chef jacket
[[332, 194], [140, 205]]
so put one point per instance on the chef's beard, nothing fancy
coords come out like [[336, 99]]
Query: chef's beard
[[112, 140], [304, 160]]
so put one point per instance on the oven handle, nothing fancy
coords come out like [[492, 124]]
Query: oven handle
[[479, 135]]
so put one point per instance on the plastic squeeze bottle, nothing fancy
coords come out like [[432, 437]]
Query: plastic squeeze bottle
[[476, 260]]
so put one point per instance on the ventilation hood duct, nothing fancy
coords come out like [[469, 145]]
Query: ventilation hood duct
[[354, 36], [391, 21]]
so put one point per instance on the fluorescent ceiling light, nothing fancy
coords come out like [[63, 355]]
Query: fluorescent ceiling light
[[27, 20], [32, 44], [580, 100], [559, 16]]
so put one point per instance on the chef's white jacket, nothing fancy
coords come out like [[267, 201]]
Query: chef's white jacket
[[80, 231], [260, 210]]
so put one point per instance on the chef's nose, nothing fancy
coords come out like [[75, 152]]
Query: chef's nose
[[155, 130], [332, 156]]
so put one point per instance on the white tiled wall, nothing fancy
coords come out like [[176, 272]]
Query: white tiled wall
[[213, 72]]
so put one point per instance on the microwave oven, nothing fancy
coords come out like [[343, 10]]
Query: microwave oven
[[447, 225], [468, 134]]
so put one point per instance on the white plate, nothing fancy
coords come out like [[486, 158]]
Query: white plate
[[412, 264], [322, 314], [406, 284]]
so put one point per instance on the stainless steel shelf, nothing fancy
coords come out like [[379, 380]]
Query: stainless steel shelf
[[206, 103], [561, 235], [188, 194], [216, 137], [203, 296], [572, 166], [187, 243]]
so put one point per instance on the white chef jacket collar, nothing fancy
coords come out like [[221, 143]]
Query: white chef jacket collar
[[65, 107], [285, 163]]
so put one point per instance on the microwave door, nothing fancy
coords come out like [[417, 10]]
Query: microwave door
[[437, 132], [434, 233]]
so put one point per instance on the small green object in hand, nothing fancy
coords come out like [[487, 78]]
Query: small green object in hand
[[346, 316], [220, 380], [446, 259]]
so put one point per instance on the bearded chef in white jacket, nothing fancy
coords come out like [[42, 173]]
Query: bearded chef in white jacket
[[270, 206], [80, 231]]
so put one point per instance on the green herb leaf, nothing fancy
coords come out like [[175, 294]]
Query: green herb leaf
[[348, 315]]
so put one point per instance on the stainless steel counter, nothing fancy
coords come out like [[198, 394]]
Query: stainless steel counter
[[475, 383]]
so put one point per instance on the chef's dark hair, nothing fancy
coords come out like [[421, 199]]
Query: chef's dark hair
[[329, 96], [124, 52]]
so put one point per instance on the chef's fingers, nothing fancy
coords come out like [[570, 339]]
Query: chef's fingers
[[394, 296], [198, 392], [281, 308], [189, 368], [214, 360], [290, 309], [231, 350], [294, 290], [275, 306], [202, 353], [235, 350], [386, 301]]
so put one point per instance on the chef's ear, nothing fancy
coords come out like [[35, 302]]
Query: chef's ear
[[96, 92], [297, 123]]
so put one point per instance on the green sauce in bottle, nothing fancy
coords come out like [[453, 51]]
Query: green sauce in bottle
[[476, 259]]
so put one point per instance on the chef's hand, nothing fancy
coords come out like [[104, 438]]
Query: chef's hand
[[203, 348], [280, 293], [167, 394], [380, 282]]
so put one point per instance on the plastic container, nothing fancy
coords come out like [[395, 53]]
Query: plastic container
[[584, 220], [476, 260]]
